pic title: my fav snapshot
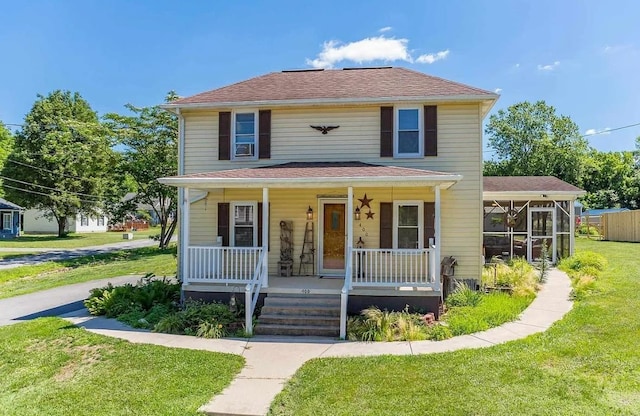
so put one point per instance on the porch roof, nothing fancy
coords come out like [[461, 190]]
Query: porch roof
[[529, 187], [7, 205], [315, 174]]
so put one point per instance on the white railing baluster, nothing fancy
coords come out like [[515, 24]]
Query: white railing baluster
[[393, 268]]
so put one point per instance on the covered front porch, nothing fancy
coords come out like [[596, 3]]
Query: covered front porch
[[346, 229]]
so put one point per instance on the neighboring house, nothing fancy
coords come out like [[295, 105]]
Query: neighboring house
[[35, 221], [10, 216], [311, 165], [523, 212], [594, 216]]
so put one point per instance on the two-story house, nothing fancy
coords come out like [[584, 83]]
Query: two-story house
[[346, 187]]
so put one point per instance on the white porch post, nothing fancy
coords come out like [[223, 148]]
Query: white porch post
[[184, 243], [265, 236], [437, 226], [349, 215], [572, 226]]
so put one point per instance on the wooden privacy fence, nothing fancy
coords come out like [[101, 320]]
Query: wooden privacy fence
[[621, 226]]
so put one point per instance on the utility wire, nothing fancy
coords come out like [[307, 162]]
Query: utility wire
[[52, 189], [40, 193], [605, 131], [46, 170]]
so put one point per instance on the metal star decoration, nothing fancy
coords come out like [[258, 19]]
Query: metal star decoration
[[370, 215], [365, 202]]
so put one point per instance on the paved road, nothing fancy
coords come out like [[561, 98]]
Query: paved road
[[53, 302], [64, 254]]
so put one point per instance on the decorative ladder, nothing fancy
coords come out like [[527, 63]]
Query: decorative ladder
[[307, 257]]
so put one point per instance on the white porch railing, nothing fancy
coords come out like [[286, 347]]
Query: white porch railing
[[252, 292], [221, 264], [394, 268]]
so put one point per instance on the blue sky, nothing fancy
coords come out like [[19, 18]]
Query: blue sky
[[583, 57]]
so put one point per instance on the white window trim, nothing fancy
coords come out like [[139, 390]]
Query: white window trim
[[232, 214], [5, 215], [256, 132], [86, 220], [396, 127], [420, 205]]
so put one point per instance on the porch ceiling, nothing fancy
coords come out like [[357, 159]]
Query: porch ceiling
[[315, 174]]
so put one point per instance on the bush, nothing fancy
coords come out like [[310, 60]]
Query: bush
[[517, 276], [463, 295], [439, 332], [209, 320], [583, 268], [376, 325]]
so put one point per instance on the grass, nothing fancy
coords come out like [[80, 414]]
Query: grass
[[588, 364], [6, 255], [53, 368], [73, 240], [28, 279]]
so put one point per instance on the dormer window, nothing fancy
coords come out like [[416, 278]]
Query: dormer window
[[245, 135], [408, 134]]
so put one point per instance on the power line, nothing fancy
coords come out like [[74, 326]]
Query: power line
[[605, 131], [52, 189], [46, 170], [40, 193]]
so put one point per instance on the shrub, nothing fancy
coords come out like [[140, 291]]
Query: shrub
[[376, 325], [517, 276], [210, 329], [439, 332], [170, 324], [584, 260], [209, 320], [463, 295]]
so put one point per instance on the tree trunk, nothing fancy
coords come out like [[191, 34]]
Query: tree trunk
[[62, 226], [166, 239]]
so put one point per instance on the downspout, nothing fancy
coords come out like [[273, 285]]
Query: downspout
[[181, 196]]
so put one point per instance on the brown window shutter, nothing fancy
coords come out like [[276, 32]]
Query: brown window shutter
[[429, 222], [223, 222], [224, 135], [386, 225], [431, 130], [264, 130], [260, 226], [386, 131]]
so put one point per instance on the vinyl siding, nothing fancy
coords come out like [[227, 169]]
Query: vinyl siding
[[358, 138]]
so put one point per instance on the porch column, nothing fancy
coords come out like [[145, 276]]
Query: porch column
[[437, 226], [349, 215], [265, 236], [184, 242], [572, 226]]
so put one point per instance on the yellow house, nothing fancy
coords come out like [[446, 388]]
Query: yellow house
[[338, 188]]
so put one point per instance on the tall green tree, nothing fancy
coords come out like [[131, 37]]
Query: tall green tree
[[531, 139], [150, 140], [61, 159], [608, 179], [6, 146]]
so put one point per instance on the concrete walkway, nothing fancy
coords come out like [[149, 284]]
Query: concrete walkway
[[70, 253], [271, 361]]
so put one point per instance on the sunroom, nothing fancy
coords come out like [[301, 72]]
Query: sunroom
[[522, 214]]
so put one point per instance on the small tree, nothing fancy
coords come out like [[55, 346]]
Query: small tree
[[150, 138], [6, 146]]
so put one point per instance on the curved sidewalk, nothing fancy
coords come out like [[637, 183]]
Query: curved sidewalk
[[271, 361]]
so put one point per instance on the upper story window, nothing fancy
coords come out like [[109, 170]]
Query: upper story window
[[245, 135], [408, 133]]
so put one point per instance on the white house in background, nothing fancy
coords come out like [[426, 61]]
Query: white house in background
[[36, 222]]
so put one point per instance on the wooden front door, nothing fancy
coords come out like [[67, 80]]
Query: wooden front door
[[332, 260]]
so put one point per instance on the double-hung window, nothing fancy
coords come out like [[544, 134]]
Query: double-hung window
[[100, 221], [245, 135], [244, 226], [408, 133], [408, 224], [7, 221], [84, 220]]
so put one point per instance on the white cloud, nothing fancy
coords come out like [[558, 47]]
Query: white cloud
[[379, 48], [430, 58], [549, 67], [385, 29], [611, 49], [516, 66], [591, 132], [498, 90]]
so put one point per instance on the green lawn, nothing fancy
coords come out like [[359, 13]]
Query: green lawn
[[73, 240], [586, 364], [52, 368], [28, 279]]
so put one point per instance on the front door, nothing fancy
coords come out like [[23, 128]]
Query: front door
[[541, 231], [333, 238]]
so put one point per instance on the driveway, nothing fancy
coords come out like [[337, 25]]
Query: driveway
[[53, 302], [65, 254]]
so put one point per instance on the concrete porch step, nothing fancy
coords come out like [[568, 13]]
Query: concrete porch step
[[281, 299], [318, 310], [300, 320], [299, 330]]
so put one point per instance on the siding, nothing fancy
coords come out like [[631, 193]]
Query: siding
[[358, 138]]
